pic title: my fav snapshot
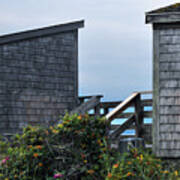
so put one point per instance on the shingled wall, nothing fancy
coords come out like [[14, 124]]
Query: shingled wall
[[38, 77], [166, 81], [169, 92]]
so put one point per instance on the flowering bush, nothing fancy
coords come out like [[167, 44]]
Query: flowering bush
[[141, 165], [75, 149], [71, 150]]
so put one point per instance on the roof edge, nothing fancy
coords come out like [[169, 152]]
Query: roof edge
[[162, 13], [168, 8], [165, 17], [40, 32]]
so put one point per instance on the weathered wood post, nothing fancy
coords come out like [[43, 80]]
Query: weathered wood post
[[166, 80], [138, 116]]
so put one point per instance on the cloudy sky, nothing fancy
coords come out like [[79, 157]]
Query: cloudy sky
[[115, 47]]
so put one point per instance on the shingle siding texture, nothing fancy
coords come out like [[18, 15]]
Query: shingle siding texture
[[38, 80], [169, 92]]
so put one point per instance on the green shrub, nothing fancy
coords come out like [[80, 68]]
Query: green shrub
[[71, 150], [140, 165], [4, 144], [76, 149]]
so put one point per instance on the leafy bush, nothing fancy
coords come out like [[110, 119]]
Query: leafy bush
[[141, 165], [76, 149], [71, 150]]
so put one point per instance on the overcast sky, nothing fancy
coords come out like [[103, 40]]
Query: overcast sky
[[115, 47]]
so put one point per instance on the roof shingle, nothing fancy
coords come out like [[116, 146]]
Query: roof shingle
[[170, 8], [168, 14]]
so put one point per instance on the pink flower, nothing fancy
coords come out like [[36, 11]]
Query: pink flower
[[58, 175], [7, 158], [4, 160]]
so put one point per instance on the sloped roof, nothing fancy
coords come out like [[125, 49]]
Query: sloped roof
[[170, 8], [40, 32], [168, 14]]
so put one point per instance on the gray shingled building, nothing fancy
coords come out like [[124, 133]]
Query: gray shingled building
[[38, 76], [166, 80]]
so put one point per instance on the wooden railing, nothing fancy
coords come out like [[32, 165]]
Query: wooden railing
[[118, 110], [135, 120], [87, 103]]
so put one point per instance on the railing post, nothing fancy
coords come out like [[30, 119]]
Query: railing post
[[81, 100], [138, 116], [97, 110], [106, 111]]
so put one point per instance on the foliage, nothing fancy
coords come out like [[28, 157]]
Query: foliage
[[76, 149], [71, 150], [141, 165]]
